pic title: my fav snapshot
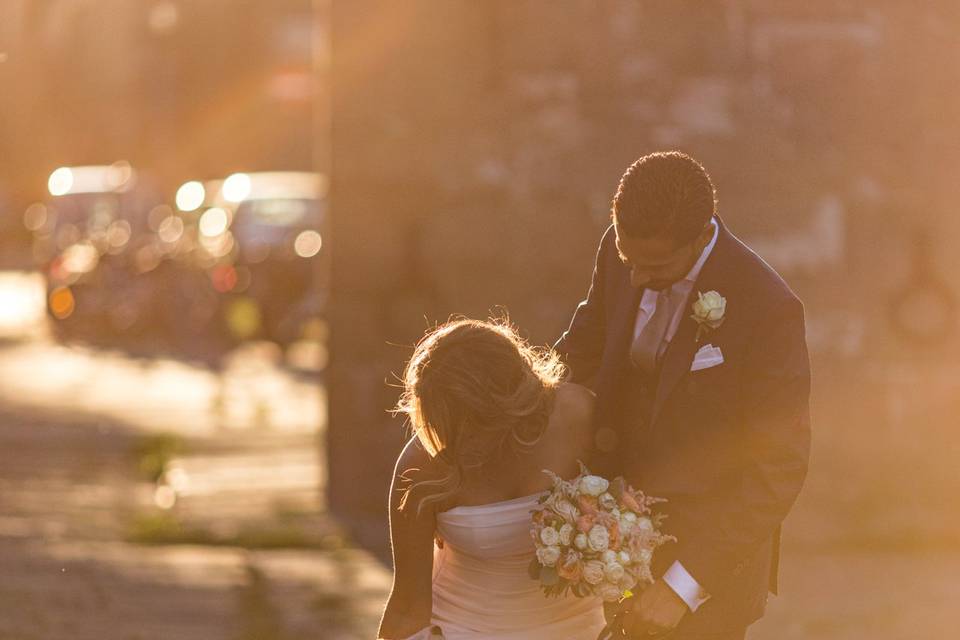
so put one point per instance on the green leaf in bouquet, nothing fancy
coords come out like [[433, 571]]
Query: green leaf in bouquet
[[548, 576], [534, 568]]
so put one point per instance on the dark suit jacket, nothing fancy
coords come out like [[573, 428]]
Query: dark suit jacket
[[726, 446]]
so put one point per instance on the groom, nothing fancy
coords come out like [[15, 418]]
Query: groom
[[695, 348]]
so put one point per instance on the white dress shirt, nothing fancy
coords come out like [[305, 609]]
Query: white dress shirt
[[677, 577], [679, 293]]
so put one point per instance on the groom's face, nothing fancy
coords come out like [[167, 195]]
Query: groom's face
[[657, 262]]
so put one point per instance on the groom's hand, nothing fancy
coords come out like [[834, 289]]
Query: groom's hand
[[658, 611]]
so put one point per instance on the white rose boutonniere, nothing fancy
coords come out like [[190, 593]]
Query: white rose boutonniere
[[708, 312]]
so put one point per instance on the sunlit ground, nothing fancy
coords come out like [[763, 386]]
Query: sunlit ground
[[853, 594], [253, 392], [99, 450]]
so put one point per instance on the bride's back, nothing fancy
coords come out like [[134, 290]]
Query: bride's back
[[563, 444]]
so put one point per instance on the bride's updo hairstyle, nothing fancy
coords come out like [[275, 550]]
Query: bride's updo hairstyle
[[475, 393]]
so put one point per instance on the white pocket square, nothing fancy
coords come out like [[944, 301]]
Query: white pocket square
[[708, 356]]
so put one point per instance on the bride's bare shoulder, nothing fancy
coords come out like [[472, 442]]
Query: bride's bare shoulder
[[574, 408], [414, 458], [575, 401]]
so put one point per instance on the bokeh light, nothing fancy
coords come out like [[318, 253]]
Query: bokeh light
[[214, 222], [218, 246], [237, 187], [157, 215], [120, 176], [171, 229], [147, 258], [60, 182], [224, 278], [62, 303], [165, 497], [190, 196], [244, 317], [80, 258], [308, 243], [119, 234], [35, 217]]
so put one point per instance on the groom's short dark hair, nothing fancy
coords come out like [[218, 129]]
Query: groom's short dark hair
[[664, 193]]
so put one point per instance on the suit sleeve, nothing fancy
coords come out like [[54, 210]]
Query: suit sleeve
[[581, 345], [776, 448]]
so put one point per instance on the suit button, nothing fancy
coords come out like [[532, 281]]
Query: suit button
[[739, 568], [606, 439]]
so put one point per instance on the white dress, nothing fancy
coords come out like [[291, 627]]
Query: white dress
[[481, 588]]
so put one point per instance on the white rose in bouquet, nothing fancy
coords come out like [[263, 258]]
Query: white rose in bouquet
[[566, 534], [628, 581], [623, 558], [566, 510], [593, 572], [642, 556], [581, 542], [548, 556], [608, 556], [549, 536], [608, 502], [645, 524], [613, 572], [598, 538], [594, 485]]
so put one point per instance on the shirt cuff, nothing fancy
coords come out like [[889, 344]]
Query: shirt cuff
[[683, 584]]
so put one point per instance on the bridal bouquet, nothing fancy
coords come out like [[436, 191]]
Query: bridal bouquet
[[594, 537]]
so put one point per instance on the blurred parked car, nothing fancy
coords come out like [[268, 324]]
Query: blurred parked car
[[256, 237], [93, 242]]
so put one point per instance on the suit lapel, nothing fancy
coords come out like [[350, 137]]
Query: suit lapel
[[681, 350]]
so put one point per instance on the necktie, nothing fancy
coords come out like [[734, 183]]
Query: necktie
[[648, 341]]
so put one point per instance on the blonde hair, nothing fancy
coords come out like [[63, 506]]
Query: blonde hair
[[475, 392]]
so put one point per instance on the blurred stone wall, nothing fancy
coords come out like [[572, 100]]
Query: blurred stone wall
[[476, 147]]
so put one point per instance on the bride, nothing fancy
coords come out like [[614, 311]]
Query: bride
[[489, 413]]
